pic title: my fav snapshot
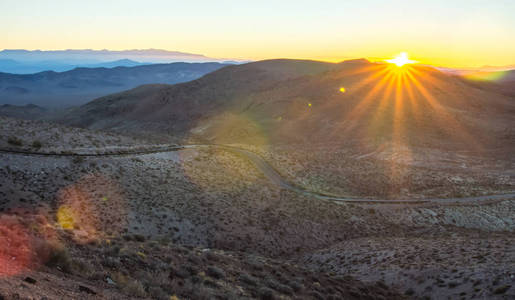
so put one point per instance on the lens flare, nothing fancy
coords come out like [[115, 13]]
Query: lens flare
[[223, 129], [15, 250], [66, 217], [91, 208], [486, 76]]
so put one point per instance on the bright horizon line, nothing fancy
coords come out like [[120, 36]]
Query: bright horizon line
[[453, 34], [373, 59]]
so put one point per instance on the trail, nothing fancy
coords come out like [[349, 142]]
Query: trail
[[274, 176]]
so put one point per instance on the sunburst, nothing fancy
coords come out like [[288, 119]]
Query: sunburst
[[401, 60]]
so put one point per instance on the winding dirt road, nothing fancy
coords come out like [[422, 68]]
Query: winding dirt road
[[275, 177]]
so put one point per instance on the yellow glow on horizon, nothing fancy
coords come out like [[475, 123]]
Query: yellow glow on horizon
[[342, 89], [441, 33], [401, 60]]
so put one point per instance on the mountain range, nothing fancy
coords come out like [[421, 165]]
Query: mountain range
[[80, 85], [27, 61], [17, 67]]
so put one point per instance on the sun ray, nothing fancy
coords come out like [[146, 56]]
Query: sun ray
[[411, 97], [449, 122], [381, 113], [377, 72], [362, 106]]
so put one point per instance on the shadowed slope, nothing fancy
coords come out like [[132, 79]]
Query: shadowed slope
[[293, 101]]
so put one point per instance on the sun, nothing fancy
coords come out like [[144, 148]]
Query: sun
[[401, 60]]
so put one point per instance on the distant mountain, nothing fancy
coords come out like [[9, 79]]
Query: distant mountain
[[116, 63], [80, 85], [26, 62], [16, 67], [463, 71], [495, 68], [292, 101], [27, 112]]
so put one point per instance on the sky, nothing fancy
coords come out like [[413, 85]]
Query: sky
[[452, 33]]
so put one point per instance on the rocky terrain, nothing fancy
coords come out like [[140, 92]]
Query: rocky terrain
[[152, 209], [130, 212], [392, 172], [140, 225], [44, 137], [131, 267], [459, 265]]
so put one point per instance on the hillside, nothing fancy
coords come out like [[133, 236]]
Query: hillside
[[80, 85], [288, 101], [28, 112], [205, 222]]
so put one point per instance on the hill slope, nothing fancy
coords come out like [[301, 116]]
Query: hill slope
[[289, 101]]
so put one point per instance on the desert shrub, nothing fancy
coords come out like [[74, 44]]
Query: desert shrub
[[196, 279], [113, 251], [78, 160], [279, 287], [96, 275], [15, 141], [56, 255], [36, 144], [158, 293], [256, 265], [266, 294], [295, 285], [81, 267], [316, 295], [111, 262], [59, 257], [139, 238], [179, 273], [215, 272], [211, 284], [198, 292], [129, 285], [193, 270], [212, 256], [164, 241], [246, 278], [153, 245]]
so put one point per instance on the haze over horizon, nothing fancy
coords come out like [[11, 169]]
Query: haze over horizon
[[461, 34]]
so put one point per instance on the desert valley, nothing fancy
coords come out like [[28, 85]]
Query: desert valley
[[274, 150], [272, 179]]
